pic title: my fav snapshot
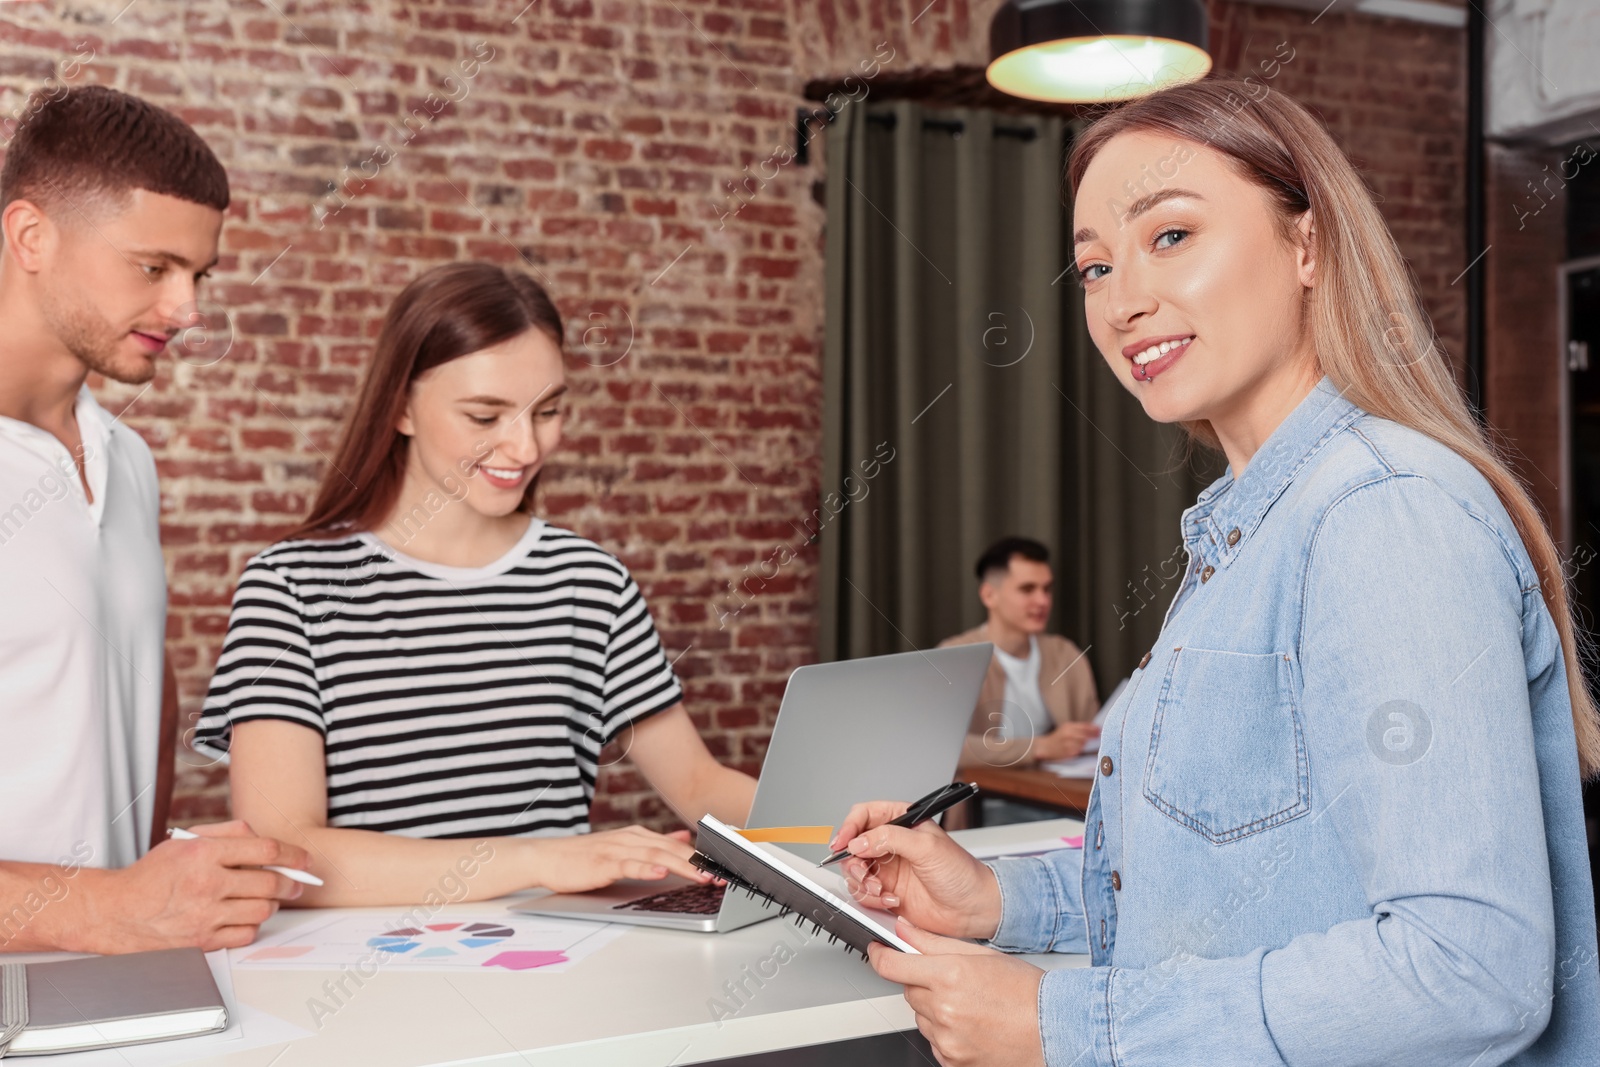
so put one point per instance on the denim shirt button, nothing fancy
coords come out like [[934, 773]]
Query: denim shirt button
[[1105, 766], [1116, 880], [1144, 662], [1233, 536], [1205, 575]]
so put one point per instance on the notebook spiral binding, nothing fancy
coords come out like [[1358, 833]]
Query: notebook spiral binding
[[13, 1002], [739, 870]]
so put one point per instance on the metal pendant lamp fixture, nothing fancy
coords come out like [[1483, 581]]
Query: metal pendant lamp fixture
[[1093, 51]]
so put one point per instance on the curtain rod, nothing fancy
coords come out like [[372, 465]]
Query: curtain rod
[[953, 126], [804, 118]]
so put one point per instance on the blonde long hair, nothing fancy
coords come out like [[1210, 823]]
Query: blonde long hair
[[1372, 337]]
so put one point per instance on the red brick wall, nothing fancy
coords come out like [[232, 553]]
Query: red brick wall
[[1522, 346], [597, 146], [1393, 94]]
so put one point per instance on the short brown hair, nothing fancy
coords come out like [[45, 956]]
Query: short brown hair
[[91, 142]]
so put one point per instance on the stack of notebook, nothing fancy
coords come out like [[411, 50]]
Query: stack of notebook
[[105, 1001]]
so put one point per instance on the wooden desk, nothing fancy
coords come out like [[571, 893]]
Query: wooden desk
[[1069, 796]]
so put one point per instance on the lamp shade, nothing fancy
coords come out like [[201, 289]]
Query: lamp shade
[[1087, 51]]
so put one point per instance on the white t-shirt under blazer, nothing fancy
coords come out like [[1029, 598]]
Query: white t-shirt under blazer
[[84, 615]]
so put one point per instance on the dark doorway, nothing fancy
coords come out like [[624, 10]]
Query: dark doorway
[[1580, 280]]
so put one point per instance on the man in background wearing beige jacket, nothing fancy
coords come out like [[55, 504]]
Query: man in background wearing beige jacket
[[1039, 695]]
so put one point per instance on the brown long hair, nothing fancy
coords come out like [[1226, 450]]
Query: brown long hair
[[445, 313], [1372, 337]]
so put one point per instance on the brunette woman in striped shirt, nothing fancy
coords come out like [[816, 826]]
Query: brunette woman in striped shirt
[[420, 679]]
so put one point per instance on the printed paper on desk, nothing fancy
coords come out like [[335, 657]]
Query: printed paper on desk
[[444, 942]]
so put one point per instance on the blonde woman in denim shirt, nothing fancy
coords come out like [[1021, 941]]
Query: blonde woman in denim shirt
[[1338, 815]]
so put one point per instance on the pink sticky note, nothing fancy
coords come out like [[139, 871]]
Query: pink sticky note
[[280, 952], [1074, 842], [525, 961], [443, 926]]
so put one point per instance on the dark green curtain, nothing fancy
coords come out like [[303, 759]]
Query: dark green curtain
[[964, 401]]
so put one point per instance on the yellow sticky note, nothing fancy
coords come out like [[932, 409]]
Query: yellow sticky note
[[790, 835]]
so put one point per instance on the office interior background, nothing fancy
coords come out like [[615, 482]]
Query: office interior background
[[795, 243]]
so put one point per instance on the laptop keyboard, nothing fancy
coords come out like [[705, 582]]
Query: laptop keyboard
[[685, 900]]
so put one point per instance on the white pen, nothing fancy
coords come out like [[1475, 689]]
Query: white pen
[[303, 877]]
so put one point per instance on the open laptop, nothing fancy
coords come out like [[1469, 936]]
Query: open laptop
[[878, 728]]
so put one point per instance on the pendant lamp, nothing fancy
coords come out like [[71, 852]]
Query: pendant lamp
[[1090, 51]]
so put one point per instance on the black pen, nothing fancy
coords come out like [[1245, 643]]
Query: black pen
[[941, 799]]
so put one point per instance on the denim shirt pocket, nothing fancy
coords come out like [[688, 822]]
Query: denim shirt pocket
[[1227, 752]]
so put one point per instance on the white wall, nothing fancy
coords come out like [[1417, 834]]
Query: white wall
[[1542, 58]]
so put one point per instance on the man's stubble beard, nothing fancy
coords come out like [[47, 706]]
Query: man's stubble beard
[[94, 342]]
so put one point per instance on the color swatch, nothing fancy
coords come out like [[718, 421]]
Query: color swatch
[[369, 942]]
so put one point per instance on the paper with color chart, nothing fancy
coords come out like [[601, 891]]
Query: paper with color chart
[[448, 943]]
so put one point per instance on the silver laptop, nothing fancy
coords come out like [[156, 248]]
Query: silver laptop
[[879, 728]]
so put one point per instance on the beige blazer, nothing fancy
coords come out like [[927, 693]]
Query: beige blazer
[[1066, 681]]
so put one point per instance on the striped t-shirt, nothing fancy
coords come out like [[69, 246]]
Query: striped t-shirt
[[453, 702]]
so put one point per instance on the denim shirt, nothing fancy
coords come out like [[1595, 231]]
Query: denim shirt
[[1338, 816]]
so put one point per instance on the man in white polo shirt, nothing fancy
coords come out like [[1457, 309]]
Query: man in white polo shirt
[[110, 209], [1038, 700]]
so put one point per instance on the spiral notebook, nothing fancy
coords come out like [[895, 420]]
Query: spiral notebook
[[815, 895]]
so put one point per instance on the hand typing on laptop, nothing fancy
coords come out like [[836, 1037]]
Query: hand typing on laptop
[[590, 861], [916, 705]]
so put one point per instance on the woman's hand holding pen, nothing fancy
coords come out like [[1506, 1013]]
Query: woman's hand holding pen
[[974, 1005], [919, 873]]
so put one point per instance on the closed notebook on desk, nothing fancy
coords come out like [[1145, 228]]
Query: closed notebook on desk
[[105, 1001], [781, 879]]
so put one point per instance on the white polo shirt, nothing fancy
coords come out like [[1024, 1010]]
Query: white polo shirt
[[84, 615]]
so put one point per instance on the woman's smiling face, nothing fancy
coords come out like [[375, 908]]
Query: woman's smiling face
[[1171, 244], [491, 417]]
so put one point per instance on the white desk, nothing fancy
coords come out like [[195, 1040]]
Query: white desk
[[641, 1001]]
